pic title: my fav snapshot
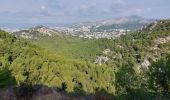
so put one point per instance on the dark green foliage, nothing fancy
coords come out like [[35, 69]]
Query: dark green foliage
[[6, 79], [160, 75]]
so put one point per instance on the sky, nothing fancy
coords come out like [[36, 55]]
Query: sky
[[74, 11]]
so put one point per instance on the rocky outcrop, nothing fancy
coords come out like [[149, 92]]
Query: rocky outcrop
[[156, 52], [44, 30], [101, 60], [107, 51], [36, 32], [26, 35], [145, 64], [153, 26], [119, 56], [162, 40], [156, 49]]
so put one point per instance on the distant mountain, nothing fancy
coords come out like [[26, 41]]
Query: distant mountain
[[128, 22], [123, 20]]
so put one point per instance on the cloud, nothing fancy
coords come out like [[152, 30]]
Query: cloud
[[118, 3], [84, 7], [117, 6], [132, 11], [148, 9], [121, 8], [91, 11], [43, 7], [73, 10]]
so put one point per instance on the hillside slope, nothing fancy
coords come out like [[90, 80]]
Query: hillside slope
[[37, 32]]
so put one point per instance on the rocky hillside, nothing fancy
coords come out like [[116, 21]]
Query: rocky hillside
[[36, 32], [143, 46]]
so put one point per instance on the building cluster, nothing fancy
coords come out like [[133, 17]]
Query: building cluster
[[85, 32]]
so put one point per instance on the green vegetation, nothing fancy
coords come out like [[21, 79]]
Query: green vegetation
[[160, 75], [134, 47], [73, 47], [6, 79], [31, 65], [67, 63]]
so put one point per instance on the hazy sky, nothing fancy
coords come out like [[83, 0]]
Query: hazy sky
[[71, 11]]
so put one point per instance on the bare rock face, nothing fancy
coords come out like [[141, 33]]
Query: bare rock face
[[162, 40], [107, 51], [45, 31], [154, 25], [145, 64], [119, 55], [26, 35], [101, 60], [36, 32]]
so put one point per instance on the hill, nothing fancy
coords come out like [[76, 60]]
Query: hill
[[36, 32]]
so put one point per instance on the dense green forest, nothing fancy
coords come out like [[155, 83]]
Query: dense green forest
[[67, 63], [33, 65]]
